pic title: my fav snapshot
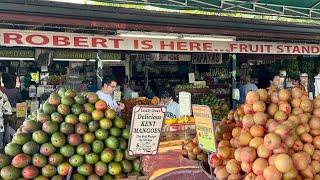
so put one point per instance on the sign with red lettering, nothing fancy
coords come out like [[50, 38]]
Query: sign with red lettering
[[10, 37]]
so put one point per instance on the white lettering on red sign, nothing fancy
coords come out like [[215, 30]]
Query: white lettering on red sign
[[86, 41]]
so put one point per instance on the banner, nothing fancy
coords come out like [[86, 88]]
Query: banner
[[25, 38]]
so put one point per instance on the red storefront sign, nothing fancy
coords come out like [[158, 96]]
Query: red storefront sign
[[86, 41]]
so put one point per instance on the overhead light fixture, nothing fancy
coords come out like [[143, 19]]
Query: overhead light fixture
[[210, 38], [137, 34], [17, 59], [75, 60]]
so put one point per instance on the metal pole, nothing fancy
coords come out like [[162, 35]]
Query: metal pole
[[233, 78], [99, 72]]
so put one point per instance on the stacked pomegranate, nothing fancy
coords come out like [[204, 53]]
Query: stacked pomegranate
[[277, 138]]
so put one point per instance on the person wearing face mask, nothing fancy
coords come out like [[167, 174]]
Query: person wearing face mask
[[109, 85], [172, 106]]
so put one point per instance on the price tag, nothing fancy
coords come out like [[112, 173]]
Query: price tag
[[146, 128], [185, 103], [191, 78], [35, 77], [204, 128], [117, 95], [21, 110], [236, 94], [134, 95], [34, 105], [200, 83]]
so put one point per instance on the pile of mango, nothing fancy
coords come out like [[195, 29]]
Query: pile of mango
[[180, 120], [73, 135]]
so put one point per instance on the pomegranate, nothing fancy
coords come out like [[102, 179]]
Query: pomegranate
[[247, 121], [292, 174], [245, 138], [315, 132], [259, 106], [289, 141], [285, 107], [248, 154], [246, 167], [233, 166], [237, 154], [248, 109], [283, 163], [306, 105], [263, 94], [234, 177], [260, 177], [308, 148], [260, 118], [314, 123], [271, 173], [296, 102], [250, 176], [284, 95], [301, 129], [224, 152], [304, 118], [236, 132], [316, 142], [316, 166], [308, 173], [300, 161], [252, 97], [274, 97], [295, 119], [263, 152], [316, 103], [316, 112], [296, 92], [282, 130], [297, 111], [259, 165], [272, 109], [298, 145], [257, 130], [272, 126], [280, 116], [272, 141], [306, 138], [282, 149], [215, 161], [222, 173], [272, 159], [316, 155], [256, 142]]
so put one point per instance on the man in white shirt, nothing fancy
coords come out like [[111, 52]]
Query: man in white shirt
[[5, 110], [106, 93], [172, 106]]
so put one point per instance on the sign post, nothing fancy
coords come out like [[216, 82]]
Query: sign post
[[205, 130]]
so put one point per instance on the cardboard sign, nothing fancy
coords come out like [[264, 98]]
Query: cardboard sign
[[117, 95], [134, 95], [35, 77], [146, 128], [200, 83], [21, 109], [185, 103], [34, 105], [191, 78], [204, 127]]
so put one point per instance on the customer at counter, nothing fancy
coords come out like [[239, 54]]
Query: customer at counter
[[172, 106]]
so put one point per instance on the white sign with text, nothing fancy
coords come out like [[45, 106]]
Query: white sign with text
[[146, 126], [185, 103]]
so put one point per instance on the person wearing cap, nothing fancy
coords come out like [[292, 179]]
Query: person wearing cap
[[106, 93], [171, 105], [245, 88]]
